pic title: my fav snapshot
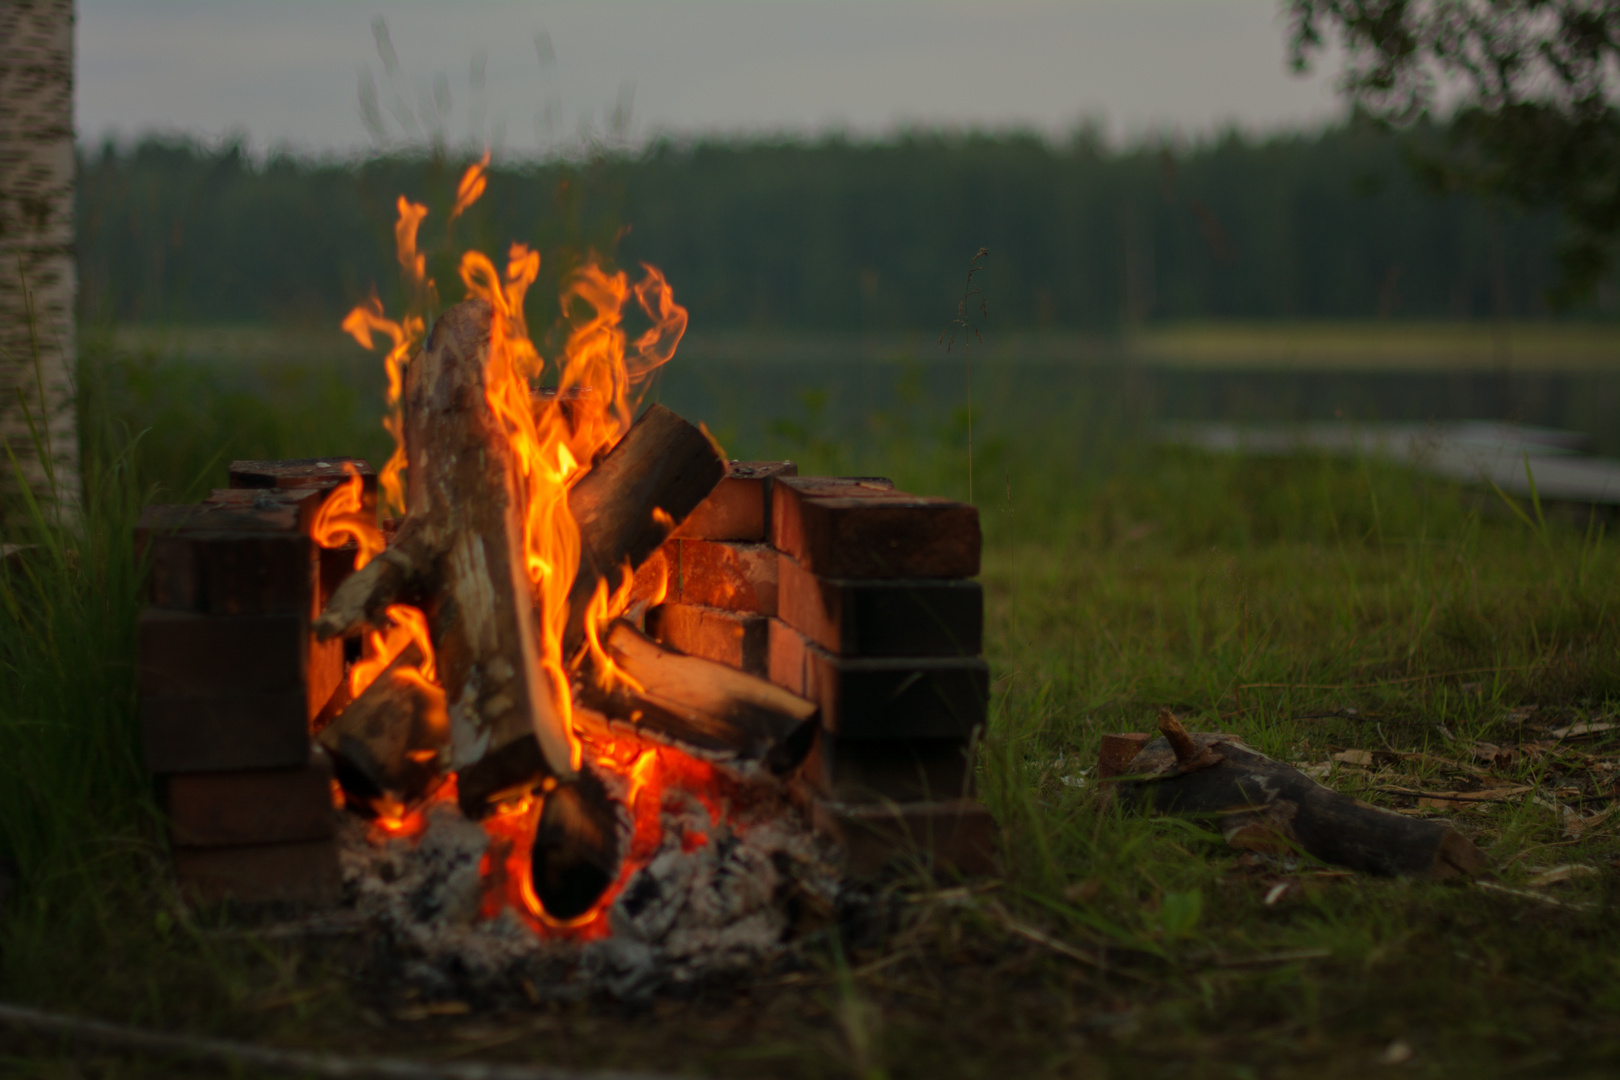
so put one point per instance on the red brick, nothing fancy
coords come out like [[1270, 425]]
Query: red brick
[[738, 640], [882, 697], [242, 552], [902, 770], [861, 530], [222, 732], [739, 507], [299, 873], [733, 576], [301, 472], [854, 617], [787, 655], [258, 806], [184, 654], [956, 836]]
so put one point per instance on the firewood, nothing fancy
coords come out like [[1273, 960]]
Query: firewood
[[700, 705], [386, 747], [461, 548], [1263, 805], [575, 856], [627, 506]]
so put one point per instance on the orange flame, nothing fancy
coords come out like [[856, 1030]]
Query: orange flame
[[599, 379], [382, 647], [342, 517]]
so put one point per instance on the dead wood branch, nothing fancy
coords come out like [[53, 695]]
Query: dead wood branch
[[1263, 805]]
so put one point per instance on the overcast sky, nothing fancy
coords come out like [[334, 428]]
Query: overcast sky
[[289, 72]]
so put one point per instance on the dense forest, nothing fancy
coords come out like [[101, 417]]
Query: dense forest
[[840, 235]]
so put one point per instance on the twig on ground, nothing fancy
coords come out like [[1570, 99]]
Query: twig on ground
[[118, 1037]]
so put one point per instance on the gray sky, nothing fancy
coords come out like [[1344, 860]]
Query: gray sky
[[288, 72]]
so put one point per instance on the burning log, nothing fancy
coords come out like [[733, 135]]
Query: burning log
[[710, 710], [1261, 804], [627, 505], [461, 550], [386, 746]]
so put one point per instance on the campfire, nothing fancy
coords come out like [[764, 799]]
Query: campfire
[[558, 641]]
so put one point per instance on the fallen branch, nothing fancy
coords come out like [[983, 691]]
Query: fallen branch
[[1263, 805], [299, 1062]]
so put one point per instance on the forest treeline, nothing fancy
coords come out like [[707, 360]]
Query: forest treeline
[[838, 235]]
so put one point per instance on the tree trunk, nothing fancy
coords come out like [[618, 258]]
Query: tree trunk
[[37, 280]]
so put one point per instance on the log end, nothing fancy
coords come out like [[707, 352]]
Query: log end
[[1458, 856], [576, 847]]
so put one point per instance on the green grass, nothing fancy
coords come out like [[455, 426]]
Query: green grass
[[1309, 605]]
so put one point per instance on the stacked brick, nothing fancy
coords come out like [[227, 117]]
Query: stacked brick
[[858, 597], [231, 680]]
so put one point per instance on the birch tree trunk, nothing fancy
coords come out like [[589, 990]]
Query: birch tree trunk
[[37, 280]]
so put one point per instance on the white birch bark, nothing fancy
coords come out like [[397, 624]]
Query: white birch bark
[[37, 279]]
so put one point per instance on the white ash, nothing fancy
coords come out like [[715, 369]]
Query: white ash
[[716, 898]]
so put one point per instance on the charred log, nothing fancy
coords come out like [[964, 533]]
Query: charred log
[[387, 745], [576, 847], [1263, 805], [627, 505], [707, 709]]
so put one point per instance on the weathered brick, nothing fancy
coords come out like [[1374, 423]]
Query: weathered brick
[[956, 836], [733, 638], [855, 617], [902, 770], [220, 732], [301, 473], [882, 697], [305, 872], [861, 530], [256, 806], [787, 656], [739, 506], [186, 654], [241, 552], [722, 574]]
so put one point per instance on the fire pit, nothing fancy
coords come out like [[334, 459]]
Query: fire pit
[[587, 682]]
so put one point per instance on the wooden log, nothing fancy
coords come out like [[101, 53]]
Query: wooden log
[[707, 707], [852, 617], [739, 508], [460, 551], [627, 506], [1263, 805], [388, 747], [575, 856]]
